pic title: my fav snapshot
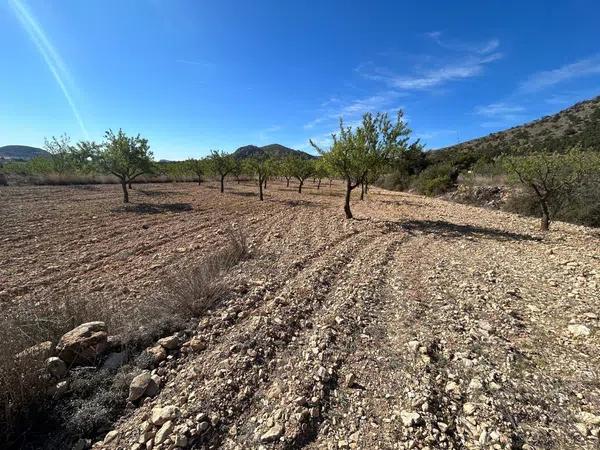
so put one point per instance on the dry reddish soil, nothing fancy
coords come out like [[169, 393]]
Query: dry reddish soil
[[420, 324]]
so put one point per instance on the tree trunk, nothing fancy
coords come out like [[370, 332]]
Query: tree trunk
[[199, 181], [260, 188], [237, 179], [362, 191], [347, 200], [222, 183], [545, 222], [300, 186], [288, 182], [330, 181], [125, 192], [319, 185]]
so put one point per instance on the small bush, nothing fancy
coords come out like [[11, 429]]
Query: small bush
[[395, 181], [435, 180]]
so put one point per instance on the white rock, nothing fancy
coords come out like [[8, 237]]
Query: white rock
[[589, 418], [272, 434], [163, 433], [162, 415], [579, 330], [410, 418]]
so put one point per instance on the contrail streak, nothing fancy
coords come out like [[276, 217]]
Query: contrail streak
[[51, 57]]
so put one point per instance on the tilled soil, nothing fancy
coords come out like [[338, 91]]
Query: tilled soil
[[420, 324]]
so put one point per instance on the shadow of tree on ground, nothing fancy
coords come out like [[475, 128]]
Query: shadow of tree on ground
[[148, 208], [454, 230]]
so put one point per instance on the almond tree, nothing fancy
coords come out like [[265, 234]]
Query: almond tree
[[237, 170], [222, 164], [60, 150], [124, 157], [321, 171], [196, 166], [372, 145], [301, 169], [286, 168], [261, 167], [550, 177]]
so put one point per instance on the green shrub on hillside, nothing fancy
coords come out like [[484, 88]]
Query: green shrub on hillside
[[435, 180]]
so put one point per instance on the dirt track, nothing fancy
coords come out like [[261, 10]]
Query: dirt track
[[421, 323]]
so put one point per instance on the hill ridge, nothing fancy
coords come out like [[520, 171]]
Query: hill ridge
[[21, 152], [578, 124]]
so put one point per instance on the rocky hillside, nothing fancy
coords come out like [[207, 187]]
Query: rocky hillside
[[21, 152], [273, 150], [579, 124]]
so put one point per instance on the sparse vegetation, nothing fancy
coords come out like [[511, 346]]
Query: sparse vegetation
[[97, 396]]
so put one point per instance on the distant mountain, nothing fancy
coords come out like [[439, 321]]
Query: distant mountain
[[21, 152], [273, 150], [576, 125]]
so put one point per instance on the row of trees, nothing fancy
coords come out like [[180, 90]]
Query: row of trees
[[357, 155]]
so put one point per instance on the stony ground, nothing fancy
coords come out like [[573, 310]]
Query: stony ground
[[421, 324]]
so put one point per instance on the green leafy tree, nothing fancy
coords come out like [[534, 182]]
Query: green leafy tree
[[60, 153], [222, 164], [237, 170], [286, 169], [302, 168], [372, 145], [82, 156], [197, 167], [322, 170], [261, 167], [124, 157], [551, 177]]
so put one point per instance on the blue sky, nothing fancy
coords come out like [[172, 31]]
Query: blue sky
[[197, 75]]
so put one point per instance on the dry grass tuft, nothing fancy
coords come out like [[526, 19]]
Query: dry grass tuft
[[23, 382], [196, 289]]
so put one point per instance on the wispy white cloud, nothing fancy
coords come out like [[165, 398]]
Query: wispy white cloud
[[433, 134], [191, 62], [498, 109], [548, 78], [500, 114], [461, 46], [467, 68], [335, 108], [465, 60], [50, 55]]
